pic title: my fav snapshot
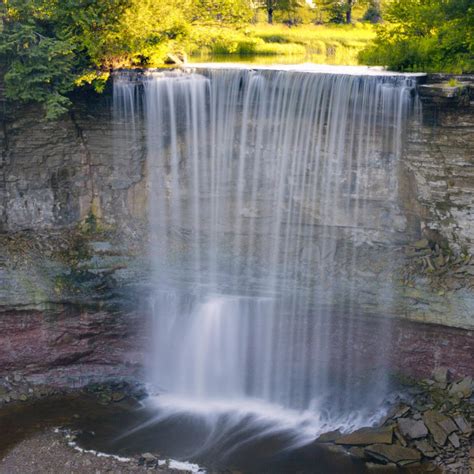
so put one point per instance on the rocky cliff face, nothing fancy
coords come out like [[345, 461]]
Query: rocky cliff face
[[73, 208], [55, 174], [440, 158]]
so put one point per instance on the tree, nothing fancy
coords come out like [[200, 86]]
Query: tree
[[373, 12], [222, 11], [340, 11], [272, 6], [49, 47]]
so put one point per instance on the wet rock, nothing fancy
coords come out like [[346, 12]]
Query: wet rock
[[412, 429], [400, 411], [454, 440], [118, 396], [393, 453], [366, 436], [329, 437], [425, 448], [336, 449], [358, 452], [373, 467], [148, 460], [462, 389]]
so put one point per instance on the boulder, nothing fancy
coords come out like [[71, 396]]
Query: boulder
[[440, 374], [148, 460], [358, 452], [399, 437], [375, 467], [431, 419], [425, 448], [462, 389], [329, 437], [463, 425], [118, 396], [412, 429], [454, 440], [400, 411], [393, 453], [366, 436], [448, 425]]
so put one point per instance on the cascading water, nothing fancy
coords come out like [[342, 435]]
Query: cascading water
[[273, 202]]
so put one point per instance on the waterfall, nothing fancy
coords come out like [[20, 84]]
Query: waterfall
[[274, 216]]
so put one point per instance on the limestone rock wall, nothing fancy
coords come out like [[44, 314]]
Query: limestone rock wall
[[440, 159], [54, 174]]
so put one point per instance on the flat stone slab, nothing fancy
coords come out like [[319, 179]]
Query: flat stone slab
[[443, 89], [432, 420], [329, 437], [462, 389], [393, 453], [366, 436], [463, 425], [413, 429], [425, 448]]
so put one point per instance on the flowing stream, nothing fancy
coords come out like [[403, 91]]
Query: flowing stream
[[274, 214]]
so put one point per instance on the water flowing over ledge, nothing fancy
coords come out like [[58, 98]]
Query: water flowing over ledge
[[309, 68], [267, 190]]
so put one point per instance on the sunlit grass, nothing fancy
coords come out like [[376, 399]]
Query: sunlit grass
[[334, 44]]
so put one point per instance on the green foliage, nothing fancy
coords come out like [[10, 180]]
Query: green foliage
[[373, 12], [425, 35], [272, 7], [221, 11], [49, 47], [341, 11], [453, 82], [40, 66]]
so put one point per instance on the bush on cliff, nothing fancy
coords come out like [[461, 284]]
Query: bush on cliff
[[425, 35]]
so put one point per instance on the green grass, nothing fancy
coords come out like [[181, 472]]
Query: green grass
[[333, 44]]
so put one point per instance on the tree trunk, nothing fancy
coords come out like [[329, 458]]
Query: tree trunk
[[349, 12], [270, 15]]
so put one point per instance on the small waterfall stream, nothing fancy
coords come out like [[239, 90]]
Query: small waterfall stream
[[274, 215]]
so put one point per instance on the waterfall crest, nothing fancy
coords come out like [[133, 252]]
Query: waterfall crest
[[274, 213]]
